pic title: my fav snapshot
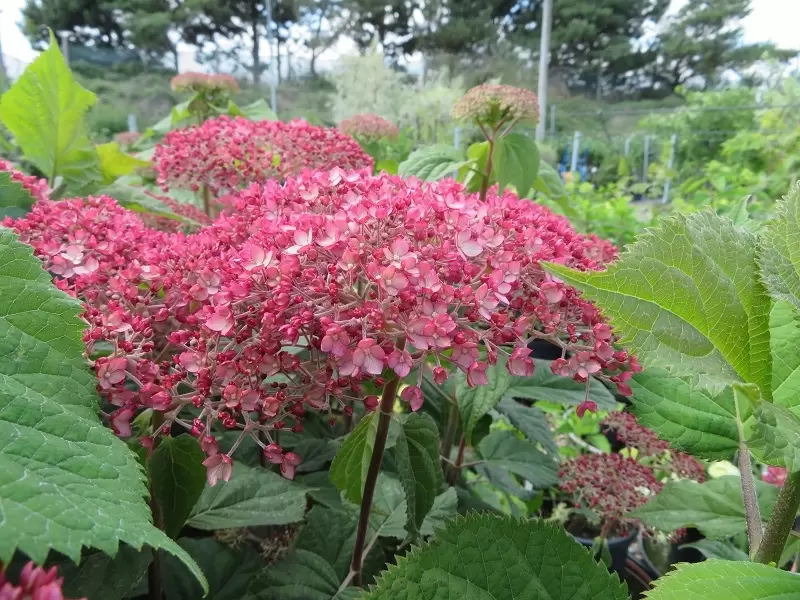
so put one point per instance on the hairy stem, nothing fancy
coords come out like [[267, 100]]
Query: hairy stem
[[488, 173], [781, 522], [154, 585], [207, 200], [384, 418], [751, 510], [451, 426]]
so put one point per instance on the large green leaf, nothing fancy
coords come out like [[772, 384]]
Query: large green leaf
[[254, 496], [230, 572], [389, 508], [714, 507], [302, 575], [177, 477], [349, 467], [115, 163], [416, 454], [100, 577], [779, 255], [15, 200], [134, 198], [504, 450], [693, 420], [687, 297], [775, 437], [471, 174], [726, 580], [474, 402], [482, 556], [430, 163], [784, 325], [718, 549], [258, 111], [516, 162], [545, 386], [529, 420], [65, 480], [330, 533], [44, 110]]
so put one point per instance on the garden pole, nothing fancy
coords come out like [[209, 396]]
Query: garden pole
[[576, 148], [673, 141], [457, 138], [544, 60], [273, 84], [646, 161], [628, 145], [132, 122], [552, 120]]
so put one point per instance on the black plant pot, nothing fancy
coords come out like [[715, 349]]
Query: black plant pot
[[618, 548], [687, 555]]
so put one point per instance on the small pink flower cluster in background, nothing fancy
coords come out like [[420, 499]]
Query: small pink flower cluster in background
[[485, 103], [202, 82], [307, 290], [38, 188], [775, 476], [229, 153], [127, 138], [35, 583], [633, 434], [610, 485], [369, 127], [163, 223]]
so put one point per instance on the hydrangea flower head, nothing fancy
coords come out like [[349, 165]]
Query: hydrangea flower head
[[369, 127], [493, 104], [202, 82], [38, 188]]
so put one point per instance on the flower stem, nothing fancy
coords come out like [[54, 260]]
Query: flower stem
[[207, 200], [454, 472], [781, 522], [751, 510], [155, 589], [488, 173], [451, 427], [384, 418]]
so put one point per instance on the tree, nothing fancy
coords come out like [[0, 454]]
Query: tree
[[88, 22], [462, 26], [591, 41], [324, 21], [388, 21], [704, 39]]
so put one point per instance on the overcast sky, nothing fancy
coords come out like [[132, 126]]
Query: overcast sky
[[771, 20]]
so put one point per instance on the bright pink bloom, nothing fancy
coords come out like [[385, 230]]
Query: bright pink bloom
[[520, 363], [413, 395], [35, 583], [289, 464], [586, 406], [218, 466]]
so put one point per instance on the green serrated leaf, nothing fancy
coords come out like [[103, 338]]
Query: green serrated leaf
[[724, 580], [738, 211], [15, 200], [417, 456], [718, 549], [388, 515], [692, 420], [516, 162], [430, 163], [254, 496], [258, 111], [779, 256], [482, 556], [686, 297], [350, 466], [66, 482], [302, 575], [784, 325], [714, 507], [529, 420], [44, 110], [474, 402], [775, 436], [100, 577], [230, 572], [445, 507], [134, 198], [504, 450], [115, 163], [177, 477], [471, 173], [545, 386]]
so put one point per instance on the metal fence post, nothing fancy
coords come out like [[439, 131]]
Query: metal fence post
[[673, 142], [457, 138], [628, 145], [576, 147], [552, 120], [646, 161], [132, 122]]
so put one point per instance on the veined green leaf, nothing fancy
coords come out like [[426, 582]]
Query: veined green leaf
[[718, 549], [516, 162], [502, 449], [529, 420], [784, 325], [714, 507], [474, 402], [483, 556], [44, 110], [779, 256], [258, 111], [432, 162], [417, 456], [693, 420], [724, 580], [66, 482], [100, 577], [302, 575], [349, 468], [15, 200], [115, 163], [775, 438], [687, 297]]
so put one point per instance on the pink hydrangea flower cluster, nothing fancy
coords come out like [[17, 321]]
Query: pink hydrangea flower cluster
[[610, 485], [489, 103], [369, 127], [202, 82], [35, 583], [308, 291], [633, 434], [38, 188], [775, 476], [227, 154]]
